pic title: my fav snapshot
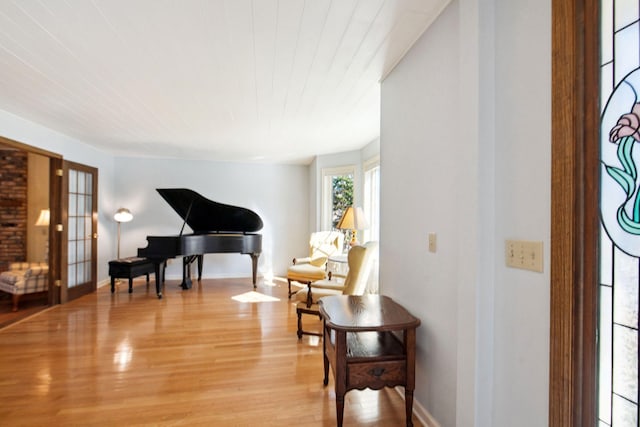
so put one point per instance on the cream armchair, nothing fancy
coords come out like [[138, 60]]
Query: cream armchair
[[311, 268], [360, 260], [24, 278]]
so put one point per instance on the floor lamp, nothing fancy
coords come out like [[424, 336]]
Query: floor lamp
[[122, 215]]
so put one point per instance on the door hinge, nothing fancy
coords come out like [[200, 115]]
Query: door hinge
[[59, 172], [58, 283], [59, 227]]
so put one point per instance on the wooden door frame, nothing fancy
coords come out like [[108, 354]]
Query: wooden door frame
[[55, 162], [55, 235], [574, 213]]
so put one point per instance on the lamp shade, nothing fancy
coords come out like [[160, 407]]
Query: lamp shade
[[353, 219], [43, 218], [123, 215]]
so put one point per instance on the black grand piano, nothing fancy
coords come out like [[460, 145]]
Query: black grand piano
[[217, 228]]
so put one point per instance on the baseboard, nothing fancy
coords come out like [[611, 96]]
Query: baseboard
[[420, 412]]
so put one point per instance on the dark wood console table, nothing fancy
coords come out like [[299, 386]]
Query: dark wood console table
[[369, 341]]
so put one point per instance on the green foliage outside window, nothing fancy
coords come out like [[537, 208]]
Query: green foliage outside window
[[342, 196]]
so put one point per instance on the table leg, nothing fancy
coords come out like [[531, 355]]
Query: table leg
[[410, 351], [340, 372], [326, 336], [408, 399], [339, 408]]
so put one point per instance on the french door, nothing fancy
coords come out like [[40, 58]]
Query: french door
[[79, 230]]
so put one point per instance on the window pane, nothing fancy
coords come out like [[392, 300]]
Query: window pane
[[72, 275], [89, 188], [605, 258], [73, 181], [73, 205], [625, 295], [80, 227], [73, 228], [626, 51], [606, 22], [342, 196], [72, 254], [625, 362], [604, 356], [87, 271], [625, 413], [626, 12], [80, 249], [81, 204], [80, 273], [81, 182]]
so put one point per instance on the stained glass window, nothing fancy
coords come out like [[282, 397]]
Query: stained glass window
[[620, 214]]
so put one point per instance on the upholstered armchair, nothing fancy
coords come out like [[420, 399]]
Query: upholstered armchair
[[360, 261], [24, 278], [311, 268]]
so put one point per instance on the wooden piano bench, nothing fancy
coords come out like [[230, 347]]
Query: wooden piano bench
[[129, 268]]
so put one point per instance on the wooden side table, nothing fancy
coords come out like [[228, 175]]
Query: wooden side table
[[369, 341]]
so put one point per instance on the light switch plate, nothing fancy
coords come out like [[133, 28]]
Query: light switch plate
[[432, 242], [524, 254]]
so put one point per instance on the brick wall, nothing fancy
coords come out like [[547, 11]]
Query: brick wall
[[13, 207]]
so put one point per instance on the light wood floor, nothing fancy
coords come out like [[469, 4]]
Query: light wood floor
[[196, 357]]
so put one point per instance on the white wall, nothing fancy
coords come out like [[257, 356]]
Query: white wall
[[26, 132], [277, 193], [523, 194], [419, 194], [465, 153]]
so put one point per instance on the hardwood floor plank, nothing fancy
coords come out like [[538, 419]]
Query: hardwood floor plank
[[196, 357]]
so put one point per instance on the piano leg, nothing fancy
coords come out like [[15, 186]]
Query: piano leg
[[254, 267], [186, 272], [200, 257], [159, 276]]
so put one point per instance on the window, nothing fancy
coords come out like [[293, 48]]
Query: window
[[337, 194], [372, 198]]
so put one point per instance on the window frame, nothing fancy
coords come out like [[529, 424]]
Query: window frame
[[327, 191], [371, 202]]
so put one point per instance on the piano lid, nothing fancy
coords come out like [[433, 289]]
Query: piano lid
[[207, 216]]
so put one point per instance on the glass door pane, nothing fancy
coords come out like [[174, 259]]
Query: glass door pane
[[81, 225], [619, 261]]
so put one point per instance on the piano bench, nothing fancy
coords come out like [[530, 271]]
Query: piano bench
[[129, 268]]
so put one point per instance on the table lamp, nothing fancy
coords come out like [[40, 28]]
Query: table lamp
[[353, 220], [43, 221]]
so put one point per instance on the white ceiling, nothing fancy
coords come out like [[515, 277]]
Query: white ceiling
[[235, 80]]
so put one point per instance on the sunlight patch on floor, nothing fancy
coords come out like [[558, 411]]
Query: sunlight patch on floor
[[254, 296]]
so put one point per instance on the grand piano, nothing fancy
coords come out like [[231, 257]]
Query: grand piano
[[217, 228]]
